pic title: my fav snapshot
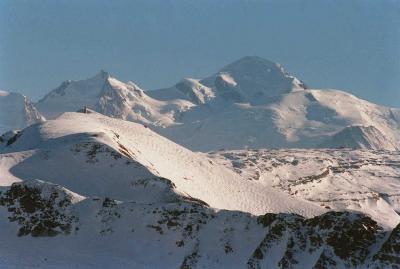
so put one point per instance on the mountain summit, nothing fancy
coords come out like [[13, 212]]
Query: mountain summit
[[245, 80], [253, 77]]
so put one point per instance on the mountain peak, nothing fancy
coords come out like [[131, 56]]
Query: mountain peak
[[251, 62], [103, 74], [251, 78]]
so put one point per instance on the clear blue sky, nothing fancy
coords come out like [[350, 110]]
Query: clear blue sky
[[352, 45]]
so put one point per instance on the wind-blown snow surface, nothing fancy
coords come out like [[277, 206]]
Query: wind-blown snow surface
[[89, 191], [16, 112]]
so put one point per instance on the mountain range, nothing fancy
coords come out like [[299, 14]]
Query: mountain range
[[246, 168], [250, 103]]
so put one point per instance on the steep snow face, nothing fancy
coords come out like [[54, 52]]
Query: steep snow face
[[129, 102], [95, 155], [252, 78], [360, 137], [16, 112], [107, 95], [72, 95]]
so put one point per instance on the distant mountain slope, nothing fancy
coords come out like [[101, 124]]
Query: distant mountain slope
[[16, 112], [300, 119], [360, 137], [256, 104], [107, 95], [250, 103], [244, 80]]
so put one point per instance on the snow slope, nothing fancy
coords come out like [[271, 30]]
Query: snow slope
[[306, 117], [104, 233], [87, 153], [357, 136], [16, 112], [365, 181], [301, 119]]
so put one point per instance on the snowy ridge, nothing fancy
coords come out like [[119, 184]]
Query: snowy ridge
[[74, 136], [16, 112], [105, 94], [187, 89]]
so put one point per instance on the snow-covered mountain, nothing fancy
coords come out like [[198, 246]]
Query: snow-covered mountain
[[244, 80], [89, 191], [16, 112], [256, 104], [250, 103], [360, 137], [107, 95]]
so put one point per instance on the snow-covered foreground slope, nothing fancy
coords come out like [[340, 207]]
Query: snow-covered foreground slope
[[16, 112], [358, 180], [88, 191], [92, 154], [46, 226], [60, 229]]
